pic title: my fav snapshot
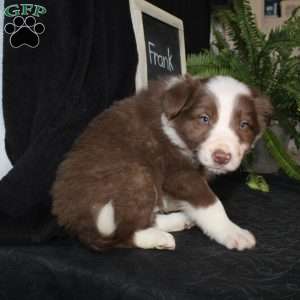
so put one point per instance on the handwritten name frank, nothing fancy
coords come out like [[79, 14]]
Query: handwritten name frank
[[157, 59]]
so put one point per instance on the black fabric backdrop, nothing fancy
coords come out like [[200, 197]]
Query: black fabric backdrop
[[86, 59]]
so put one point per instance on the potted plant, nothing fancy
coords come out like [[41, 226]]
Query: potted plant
[[268, 62]]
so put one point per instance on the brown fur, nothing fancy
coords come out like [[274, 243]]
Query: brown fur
[[123, 156]]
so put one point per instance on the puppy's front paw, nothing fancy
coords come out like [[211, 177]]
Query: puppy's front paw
[[215, 223], [238, 238]]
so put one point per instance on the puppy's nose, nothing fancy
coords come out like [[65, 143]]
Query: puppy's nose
[[221, 157]]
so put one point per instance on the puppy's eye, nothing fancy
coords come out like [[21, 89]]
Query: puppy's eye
[[244, 125], [204, 119]]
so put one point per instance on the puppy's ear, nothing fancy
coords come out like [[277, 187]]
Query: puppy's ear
[[178, 96], [264, 109]]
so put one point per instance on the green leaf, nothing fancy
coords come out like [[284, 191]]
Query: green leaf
[[257, 182]]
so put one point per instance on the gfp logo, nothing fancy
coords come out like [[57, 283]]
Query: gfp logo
[[24, 30]]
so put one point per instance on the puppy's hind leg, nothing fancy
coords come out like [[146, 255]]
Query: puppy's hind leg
[[127, 219], [153, 238], [138, 218]]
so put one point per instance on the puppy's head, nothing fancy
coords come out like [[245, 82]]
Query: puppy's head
[[218, 119]]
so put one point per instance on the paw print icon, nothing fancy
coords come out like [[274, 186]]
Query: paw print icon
[[24, 32]]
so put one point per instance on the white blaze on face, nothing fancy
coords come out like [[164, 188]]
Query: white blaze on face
[[222, 136]]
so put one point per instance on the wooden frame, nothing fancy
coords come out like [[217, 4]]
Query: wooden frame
[[137, 8]]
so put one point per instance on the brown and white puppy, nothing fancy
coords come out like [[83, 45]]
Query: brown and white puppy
[[154, 153]]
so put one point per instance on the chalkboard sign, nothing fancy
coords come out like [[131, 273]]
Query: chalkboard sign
[[162, 48], [160, 42]]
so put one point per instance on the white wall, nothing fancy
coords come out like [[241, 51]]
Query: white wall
[[5, 164]]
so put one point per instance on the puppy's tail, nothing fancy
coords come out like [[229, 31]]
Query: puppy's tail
[[93, 239]]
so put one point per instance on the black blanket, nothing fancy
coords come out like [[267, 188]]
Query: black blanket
[[198, 268]]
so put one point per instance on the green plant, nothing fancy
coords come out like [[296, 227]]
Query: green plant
[[265, 61]]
